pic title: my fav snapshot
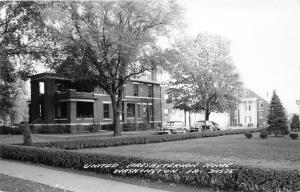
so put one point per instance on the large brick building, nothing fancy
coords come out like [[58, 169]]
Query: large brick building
[[57, 101], [251, 112]]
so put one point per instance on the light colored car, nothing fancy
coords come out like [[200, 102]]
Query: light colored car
[[200, 126], [172, 127]]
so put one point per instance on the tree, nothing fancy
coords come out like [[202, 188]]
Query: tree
[[111, 41], [27, 140], [295, 125], [277, 119], [203, 75], [22, 41]]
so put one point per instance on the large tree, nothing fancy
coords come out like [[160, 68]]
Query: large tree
[[277, 119], [22, 41], [112, 41], [203, 75]]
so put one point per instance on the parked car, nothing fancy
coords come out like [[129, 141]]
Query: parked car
[[172, 127], [217, 127], [200, 126]]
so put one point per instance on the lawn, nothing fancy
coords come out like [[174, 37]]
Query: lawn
[[12, 184], [10, 139], [273, 152]]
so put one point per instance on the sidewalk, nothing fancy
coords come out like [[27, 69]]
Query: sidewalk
[[70, 181]]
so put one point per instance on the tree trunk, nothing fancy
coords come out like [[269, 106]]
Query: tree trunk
[[185, 117], [116, 113], [207, 113], [189, 118], [27, 141]]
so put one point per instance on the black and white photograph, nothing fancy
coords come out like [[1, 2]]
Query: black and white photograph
[[150, 96]]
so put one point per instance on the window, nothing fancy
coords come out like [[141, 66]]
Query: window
[[261, 114], [61, 110], [249, 107], [139, 110], [135, 90], [150, 91], [106, 111], [261, 105], [130, 110], [85, 109], [150, 109], [42, 87]]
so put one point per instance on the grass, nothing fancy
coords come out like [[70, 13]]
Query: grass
[[10, 139], [12, 184], [273, 152]]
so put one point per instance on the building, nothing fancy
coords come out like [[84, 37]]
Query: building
[[189, 118], [251, 112], [58, 101]]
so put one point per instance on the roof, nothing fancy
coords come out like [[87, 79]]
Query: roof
[[143, 81], [249, 93], [43, 76]]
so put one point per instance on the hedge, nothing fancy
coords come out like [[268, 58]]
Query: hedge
[[16, 130], [243, 178], [116, 141]]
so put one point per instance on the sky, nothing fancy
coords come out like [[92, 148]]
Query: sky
[[265, 41]]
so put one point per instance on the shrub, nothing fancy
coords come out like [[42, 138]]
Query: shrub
[[243, 178], [263, 135], [143, 126], [38, 121], [116, 141], [294, 135], [50, 129], [248, 135], [129, 126], [109, 127], [94, 128], [12, 130]]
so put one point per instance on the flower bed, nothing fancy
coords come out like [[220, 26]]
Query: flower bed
[[233, 177], [116, 141]]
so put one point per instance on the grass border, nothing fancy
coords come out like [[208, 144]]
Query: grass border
[[244, 178], [141, 139]]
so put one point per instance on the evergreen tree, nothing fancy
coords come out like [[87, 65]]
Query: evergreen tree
[[295, 125], [277, 119]]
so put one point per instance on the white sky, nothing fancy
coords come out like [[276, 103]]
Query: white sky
[[265, 41]]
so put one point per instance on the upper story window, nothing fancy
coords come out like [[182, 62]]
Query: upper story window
[[249, 107], [150, 91], [42, 87], [261, 105], [135, 89]]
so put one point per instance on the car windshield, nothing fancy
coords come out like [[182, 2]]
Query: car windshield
[[173, 123]]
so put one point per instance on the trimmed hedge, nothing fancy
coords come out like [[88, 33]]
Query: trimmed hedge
[[294, 135], [243, 178], [263, 135], [116, 141], [248, 135]]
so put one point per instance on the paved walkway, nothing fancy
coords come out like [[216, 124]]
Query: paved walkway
[[70, 181]]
